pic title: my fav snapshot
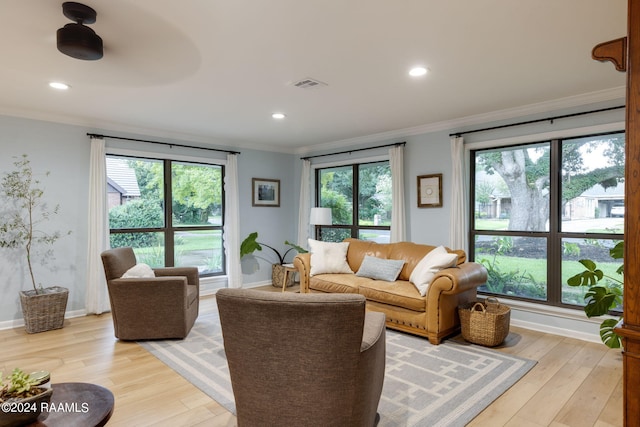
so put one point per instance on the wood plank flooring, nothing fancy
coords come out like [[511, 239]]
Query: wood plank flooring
[[575, 383]]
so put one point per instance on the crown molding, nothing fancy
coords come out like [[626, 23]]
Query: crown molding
[[446, 125], [478, 119]]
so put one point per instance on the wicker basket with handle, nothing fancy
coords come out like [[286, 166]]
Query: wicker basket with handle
[[485, 323]]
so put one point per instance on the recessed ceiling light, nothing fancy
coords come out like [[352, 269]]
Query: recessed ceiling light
[[278, 116], [59, 85], [418, 71]]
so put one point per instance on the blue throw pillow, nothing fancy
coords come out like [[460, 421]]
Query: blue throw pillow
[[380, 269]]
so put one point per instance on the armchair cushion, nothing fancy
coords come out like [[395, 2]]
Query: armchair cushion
[[139, 270]]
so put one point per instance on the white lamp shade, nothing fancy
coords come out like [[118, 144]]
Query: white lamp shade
[[320, 216]]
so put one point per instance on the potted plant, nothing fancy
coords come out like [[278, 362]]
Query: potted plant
[[251, 244], [603, 295], [22, 398], [43, 308]]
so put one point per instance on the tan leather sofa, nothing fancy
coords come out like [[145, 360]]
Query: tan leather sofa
[[434, 316]]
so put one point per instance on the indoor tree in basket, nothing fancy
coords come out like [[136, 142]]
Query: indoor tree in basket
[[251, 244], [43, 308]]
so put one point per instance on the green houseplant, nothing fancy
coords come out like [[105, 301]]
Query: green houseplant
[[21, 398], [43, 308], [250, 244], [604, 294]]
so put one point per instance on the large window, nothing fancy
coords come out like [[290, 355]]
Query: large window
[[170, 212], [359, 196], [539, 208]]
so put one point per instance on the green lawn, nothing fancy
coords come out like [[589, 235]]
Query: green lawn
[[491, 224], [538, 267]]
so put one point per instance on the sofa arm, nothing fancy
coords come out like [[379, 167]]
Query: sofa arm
[[459, 279], [303, 263]]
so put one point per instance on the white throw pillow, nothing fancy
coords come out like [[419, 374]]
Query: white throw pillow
[[434, 261], [328, 257], [139, 270]]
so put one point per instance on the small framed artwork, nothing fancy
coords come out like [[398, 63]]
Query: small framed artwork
[[430, 191], [265, 192]]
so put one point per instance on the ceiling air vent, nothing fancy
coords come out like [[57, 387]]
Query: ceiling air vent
[[308, 83]]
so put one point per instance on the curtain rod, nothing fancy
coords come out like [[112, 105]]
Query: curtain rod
[[551, 119], [162, 143], [353, 151]]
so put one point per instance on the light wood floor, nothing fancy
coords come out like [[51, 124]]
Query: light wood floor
[[575, 383]]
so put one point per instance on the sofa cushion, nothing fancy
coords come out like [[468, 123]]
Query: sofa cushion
[[328, 257], [427, 268], [337, 283], [380, 269], [399, 293], [139, 270]]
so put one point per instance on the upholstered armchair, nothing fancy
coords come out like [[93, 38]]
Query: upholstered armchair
[[302, 359], [160, 307]]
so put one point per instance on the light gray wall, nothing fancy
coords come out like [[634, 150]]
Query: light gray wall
[[64, 151], [430, 153], [273, 224]]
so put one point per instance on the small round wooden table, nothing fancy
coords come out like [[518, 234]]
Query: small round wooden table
[[77, 405]]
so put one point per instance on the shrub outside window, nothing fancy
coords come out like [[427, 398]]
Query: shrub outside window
[[180, 227], [539, 208], [359, 196]]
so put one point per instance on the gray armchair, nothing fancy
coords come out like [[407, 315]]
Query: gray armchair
[[303, 359], [165, 306]]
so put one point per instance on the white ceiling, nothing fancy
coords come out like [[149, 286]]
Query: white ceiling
[[213, 70]]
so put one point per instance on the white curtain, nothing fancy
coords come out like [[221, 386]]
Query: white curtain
[[97, 299], [396, 161], [305, 202], [232, 222], [457, 234]]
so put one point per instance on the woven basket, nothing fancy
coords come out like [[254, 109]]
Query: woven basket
[[485, 323], [44, 311], [277, 276]]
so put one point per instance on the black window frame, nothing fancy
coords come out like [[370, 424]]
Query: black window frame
[[554, 235], [169, 230], [354, 227]]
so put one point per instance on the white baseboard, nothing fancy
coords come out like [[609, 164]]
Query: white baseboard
[[18, 323], [554, 320]]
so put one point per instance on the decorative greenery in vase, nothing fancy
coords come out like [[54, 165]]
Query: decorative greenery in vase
[[604, 294], [26, 211], [18, 385], [251, 244], [22, 399]]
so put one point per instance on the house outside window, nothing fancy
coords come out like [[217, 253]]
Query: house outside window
[[539, 208], [359, 196], [170, 212]]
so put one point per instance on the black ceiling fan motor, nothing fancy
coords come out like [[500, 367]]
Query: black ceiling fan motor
[[77, 40]]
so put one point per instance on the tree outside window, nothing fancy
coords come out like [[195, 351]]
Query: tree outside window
[[541, 207], [181, 227]]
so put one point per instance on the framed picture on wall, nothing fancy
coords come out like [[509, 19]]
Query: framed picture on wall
[[430, 191], [265, 192]]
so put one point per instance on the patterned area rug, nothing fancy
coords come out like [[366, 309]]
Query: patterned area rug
[[425, 385]]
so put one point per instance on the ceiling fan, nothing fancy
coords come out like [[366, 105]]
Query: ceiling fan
[[77, 40]]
